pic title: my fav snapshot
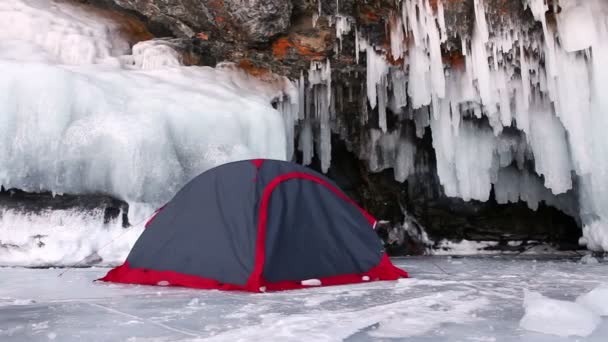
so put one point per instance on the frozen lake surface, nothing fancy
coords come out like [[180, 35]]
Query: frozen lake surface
[[447, 299]]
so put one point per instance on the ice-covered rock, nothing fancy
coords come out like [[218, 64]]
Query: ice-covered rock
[[589, 260], [64, 238]]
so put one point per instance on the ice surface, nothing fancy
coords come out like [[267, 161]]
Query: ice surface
[[557, 317], [457, 299]]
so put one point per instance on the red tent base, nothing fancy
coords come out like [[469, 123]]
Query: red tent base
[[385, 270]]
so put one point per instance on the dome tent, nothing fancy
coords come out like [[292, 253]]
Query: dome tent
[[258, 225]]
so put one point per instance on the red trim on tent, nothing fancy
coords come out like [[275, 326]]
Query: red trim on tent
[[257, 162], [258, 165], [256, 281], [384, 271], [125, 274], [156, 212]]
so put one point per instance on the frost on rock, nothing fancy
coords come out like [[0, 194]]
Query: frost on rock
[[557, 317]]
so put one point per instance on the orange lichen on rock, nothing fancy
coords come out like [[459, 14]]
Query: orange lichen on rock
[[392, 60], [305, 46], [253, 70], [280, 47], [369, 16], [455, 61], [217, 5]]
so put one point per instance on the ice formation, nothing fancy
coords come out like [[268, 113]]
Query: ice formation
[[523, 116], [81, 113]]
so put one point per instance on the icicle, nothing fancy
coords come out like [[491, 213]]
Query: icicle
[[343, 27], [316, 16], [357, 47], [391, 150], [382, 104], [419, 74], [377, 70], [397, 37], [301, 96], [306, 143], [398, 98]]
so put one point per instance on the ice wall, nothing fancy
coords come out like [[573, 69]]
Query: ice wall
[[83, 112], [523, 110], [80, 112]]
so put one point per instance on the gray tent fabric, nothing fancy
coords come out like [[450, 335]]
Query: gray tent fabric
[[312, 233], [207, 230], [212, 234]]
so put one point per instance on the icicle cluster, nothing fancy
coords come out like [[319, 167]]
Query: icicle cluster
[[524, 115], [549, 86]]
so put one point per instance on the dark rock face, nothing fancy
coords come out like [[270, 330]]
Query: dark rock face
[[253, 21], [284, 37], [20, 201]]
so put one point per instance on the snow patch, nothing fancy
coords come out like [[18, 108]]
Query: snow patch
[[464, 247]]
